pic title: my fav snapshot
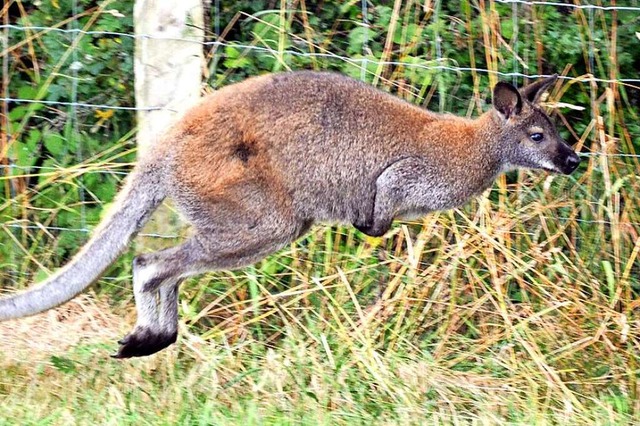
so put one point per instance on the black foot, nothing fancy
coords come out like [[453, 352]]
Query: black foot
[[143, 342], [373, 229]]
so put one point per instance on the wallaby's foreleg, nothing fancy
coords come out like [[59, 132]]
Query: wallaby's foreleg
[[400, 189]]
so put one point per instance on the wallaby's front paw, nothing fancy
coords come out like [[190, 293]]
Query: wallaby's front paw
[[362, 227], [143, 341], [373, 229]]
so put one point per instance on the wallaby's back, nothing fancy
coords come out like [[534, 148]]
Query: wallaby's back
[[320, 137]]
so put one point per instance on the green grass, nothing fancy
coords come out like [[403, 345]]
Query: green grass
[[370, 342], [337, 380]]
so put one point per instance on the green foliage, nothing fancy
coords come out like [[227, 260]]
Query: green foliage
[[519, 308], [64, 67]]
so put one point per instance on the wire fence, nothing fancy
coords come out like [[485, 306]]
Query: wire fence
[[328, 54], [14, 37]]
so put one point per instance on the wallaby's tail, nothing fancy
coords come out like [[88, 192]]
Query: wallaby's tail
[[142, 194]]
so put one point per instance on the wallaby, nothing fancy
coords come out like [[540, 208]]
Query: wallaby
[[255, 164]]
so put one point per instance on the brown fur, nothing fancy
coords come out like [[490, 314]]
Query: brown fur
[[308, 134]]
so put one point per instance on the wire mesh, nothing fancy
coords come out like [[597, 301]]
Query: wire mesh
[[439, 64]]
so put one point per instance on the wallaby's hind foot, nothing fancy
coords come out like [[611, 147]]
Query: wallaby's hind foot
[[156, 293], [143, 341]]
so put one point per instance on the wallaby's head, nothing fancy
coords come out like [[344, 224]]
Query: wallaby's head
[[528, 137]]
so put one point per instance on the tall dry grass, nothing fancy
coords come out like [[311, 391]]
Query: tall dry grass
[[518, 308]]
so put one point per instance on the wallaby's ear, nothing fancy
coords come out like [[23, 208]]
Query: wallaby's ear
[[534, 91], [506, 99]]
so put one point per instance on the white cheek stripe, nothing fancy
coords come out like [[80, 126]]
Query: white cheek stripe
[[544, 164], [548, 165]]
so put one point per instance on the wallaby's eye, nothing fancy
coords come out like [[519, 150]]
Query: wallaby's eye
[[536, 137]]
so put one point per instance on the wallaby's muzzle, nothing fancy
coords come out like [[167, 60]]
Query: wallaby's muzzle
[[567, 160]]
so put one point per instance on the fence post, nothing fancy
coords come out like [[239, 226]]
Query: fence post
[[168, 63], [168, 69]]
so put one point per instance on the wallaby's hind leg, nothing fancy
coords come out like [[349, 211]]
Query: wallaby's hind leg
[[157, 275], [160, 310], [157, 306]]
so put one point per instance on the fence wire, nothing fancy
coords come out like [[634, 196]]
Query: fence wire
[[439, 64], [327, 55]]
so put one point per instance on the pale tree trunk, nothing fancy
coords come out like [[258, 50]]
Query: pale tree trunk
[[168, 75], [168, 63]]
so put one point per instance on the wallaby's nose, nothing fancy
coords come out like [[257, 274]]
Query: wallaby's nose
[[571, 163]]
